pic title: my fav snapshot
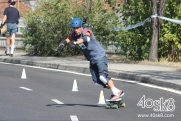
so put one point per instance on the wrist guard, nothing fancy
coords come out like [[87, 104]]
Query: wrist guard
[[62, 45]]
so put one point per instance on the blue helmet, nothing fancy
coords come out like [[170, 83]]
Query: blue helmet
[[76, 22]]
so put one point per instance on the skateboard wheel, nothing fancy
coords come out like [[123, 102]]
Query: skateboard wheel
[[108, 106], [115, 106], [123, 104]]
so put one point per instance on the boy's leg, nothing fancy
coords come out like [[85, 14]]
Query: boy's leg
[[103, 76], [8, 42], [95, 75], [116, 91], [13, 43], [13, 33]]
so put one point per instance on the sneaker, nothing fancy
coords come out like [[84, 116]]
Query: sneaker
[[121, 93], [6, 53], [115, 98]]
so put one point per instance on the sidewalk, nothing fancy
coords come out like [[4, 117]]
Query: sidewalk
[[164, 76]]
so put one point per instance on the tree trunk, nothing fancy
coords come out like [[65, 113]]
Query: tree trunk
[[153, 54], [161, 13], [88, 5], [162, 9]]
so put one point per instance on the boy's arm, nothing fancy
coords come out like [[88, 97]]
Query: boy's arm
[[68, 40], [85, 38], [4, 19], [62, 44]]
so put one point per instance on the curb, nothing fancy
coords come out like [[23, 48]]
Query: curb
[[130, 76]]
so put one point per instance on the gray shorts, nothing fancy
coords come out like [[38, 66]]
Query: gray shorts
[[98, 67], [11, 29]]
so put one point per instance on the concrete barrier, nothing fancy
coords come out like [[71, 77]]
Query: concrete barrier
[[18, 42]]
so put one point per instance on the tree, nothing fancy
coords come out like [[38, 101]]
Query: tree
[[162, 4], [153, 53], [134, 42], [170, 39], [49, 24], [156, 27]]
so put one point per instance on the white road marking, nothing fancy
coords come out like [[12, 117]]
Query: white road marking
[[26, 88], [74, 118], [162, 88], [150, 85], [135, 82], [57, 101]]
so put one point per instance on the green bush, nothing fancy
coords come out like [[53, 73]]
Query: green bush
[[49, 24]]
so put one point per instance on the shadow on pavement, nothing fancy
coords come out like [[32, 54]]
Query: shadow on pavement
[[86, 105]]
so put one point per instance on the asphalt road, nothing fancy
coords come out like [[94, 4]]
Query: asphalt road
[[47, 94]]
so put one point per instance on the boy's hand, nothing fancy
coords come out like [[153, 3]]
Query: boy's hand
[[62, 45], [60, 48], [1, 25], [72, 46]]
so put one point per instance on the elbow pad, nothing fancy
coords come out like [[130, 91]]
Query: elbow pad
[[86, 38]]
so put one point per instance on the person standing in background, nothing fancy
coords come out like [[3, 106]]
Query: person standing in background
[[11, 18]]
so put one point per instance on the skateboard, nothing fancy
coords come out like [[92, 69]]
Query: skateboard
[[115, 104]]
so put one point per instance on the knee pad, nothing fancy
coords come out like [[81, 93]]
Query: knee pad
[[104, 78]]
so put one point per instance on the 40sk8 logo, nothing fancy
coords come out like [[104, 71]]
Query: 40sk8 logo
[[166, 105]]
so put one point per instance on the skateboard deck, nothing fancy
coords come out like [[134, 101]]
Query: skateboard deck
[[115, 104]]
